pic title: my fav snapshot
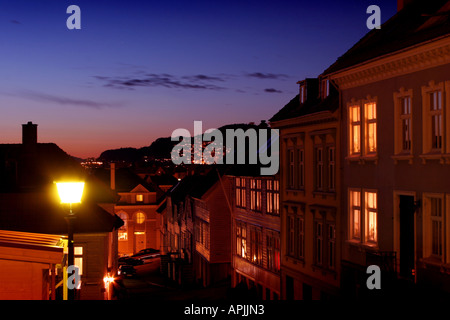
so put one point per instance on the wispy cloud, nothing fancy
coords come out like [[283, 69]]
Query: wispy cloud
[[44, 97], [272, 76], [199, 81], [272, 90], [15, 22]]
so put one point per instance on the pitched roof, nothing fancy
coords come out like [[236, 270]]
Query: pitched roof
[[418, 22], [28, 196]]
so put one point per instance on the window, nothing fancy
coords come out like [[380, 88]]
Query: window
[[291, 169], [371, 216], [123, 230], [202, 232], [362, 140], [405, 119], [355, 130], [325, 88], [240, 192], [139, 198], [255, 194], [435, 118], [295, 235], [319, 168], [331, 168], [318, 239], [435, 224], [436, 227], [78, 259], [302, 93], [301, 168], [324, 236], [331, 240], [273, 251], [370, 112], [139, 218], [273, 197], [403, 125], [363, 225], [355, 214], [241, 239], [256, 245]]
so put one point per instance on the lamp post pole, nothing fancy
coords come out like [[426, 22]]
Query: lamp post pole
[[70, 260], [70, 193]]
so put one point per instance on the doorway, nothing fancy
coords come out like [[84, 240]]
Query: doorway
[[139, 241], [407, 249]]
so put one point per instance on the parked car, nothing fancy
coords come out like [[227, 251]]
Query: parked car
[[130, 261], [146, 254], [126, 270]]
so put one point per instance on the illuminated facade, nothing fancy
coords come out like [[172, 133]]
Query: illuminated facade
[[256, 243], [395, 133]]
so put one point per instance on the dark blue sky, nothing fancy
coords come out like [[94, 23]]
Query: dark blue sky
[[138, 70]]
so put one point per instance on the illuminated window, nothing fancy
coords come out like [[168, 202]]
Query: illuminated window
[[123, 230], [355, 214], [256, 245], [139, 197], [139, 218], [241, 239], [255, 194], [368, 219], [371, 216], [78, 259], [240, 192], [355, 130], [273, 197], [370, 112]]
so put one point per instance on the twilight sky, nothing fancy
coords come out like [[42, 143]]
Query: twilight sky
[[137, 70]]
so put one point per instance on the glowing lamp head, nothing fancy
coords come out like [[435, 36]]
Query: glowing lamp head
[[70, 192]]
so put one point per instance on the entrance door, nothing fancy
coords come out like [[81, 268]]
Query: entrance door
[[139, 241], [407, 236]]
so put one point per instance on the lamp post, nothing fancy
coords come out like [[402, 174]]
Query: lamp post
[[70, 193]]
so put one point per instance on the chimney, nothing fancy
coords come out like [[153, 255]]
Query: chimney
[[113, 176], [402, 3], [29, 134]]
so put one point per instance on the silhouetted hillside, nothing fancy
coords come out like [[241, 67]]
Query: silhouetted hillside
[[161, 147]]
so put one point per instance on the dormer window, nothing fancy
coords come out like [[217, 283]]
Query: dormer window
[[139, 198], [325, 88], [302, 93]]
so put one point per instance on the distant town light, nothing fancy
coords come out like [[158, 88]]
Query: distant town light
[[70, 192]]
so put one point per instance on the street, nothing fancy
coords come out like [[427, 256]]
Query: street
[[149, 284]]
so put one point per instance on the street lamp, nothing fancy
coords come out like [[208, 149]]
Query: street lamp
[[70, 193]]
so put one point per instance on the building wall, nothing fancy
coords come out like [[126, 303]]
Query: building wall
[[265, 280], [391, 176], [301, 276]]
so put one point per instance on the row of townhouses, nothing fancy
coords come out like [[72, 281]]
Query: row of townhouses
[[363, 180]]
